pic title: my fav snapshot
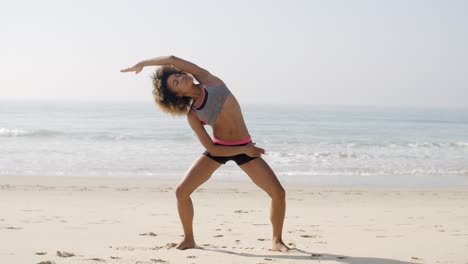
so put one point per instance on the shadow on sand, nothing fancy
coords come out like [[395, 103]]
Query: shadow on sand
[[315, 257]]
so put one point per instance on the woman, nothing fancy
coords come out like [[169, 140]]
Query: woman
[[210, 102]]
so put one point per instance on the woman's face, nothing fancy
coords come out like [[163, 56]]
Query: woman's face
[[179, 83]]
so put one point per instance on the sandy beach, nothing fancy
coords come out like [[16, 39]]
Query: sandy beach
[[134, 220]]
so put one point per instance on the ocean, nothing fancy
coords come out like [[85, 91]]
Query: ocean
[[316, 145]]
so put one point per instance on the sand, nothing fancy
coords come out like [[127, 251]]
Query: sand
[[134, 220]]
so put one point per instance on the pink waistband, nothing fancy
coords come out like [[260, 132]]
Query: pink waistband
[[232, 143]]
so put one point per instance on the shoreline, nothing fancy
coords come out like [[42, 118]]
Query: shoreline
[[214, 180]]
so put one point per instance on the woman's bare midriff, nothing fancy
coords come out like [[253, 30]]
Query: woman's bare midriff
[[230, 125]]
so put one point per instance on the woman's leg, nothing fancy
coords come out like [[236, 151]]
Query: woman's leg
[[264, 177], [200, 171]]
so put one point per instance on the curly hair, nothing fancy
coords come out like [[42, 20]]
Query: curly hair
[[166, 100]]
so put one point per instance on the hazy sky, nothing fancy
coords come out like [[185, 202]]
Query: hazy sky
[[403, 53]]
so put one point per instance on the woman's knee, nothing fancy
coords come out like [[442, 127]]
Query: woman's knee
[[182, 193], [278, 193]]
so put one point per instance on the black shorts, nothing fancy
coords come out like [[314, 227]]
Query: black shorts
[[238, 159]]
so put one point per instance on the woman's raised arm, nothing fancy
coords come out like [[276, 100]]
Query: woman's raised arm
[[199, 73]]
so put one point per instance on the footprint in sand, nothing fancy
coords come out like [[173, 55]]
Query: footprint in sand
[[192, 257], [5, 186], [97, 259], [158, 261], [241, 212], [11, 228], [218, 236], [247, 248], [171, 245], [308, 236], [64, 254], [46, 262], [148, 234], [157, 247], [123, 248], [41, 253]]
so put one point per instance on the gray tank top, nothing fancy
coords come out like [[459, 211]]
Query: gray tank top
[[212, 103]]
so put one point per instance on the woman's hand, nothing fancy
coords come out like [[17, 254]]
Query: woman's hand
[[254, 151], [137, 68]]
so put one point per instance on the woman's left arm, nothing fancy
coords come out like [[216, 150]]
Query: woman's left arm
[[198, 72], [218, 150]]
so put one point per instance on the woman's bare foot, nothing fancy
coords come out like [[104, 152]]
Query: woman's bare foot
[[186, 244], [279, 246]]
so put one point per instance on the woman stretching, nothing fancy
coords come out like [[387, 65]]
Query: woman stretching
[[209, 102]]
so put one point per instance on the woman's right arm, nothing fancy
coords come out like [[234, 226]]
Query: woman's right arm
[[198, 72], [218, 150]]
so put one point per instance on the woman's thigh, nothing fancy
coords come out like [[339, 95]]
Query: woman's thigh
[[263, 176], [200, 171]]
